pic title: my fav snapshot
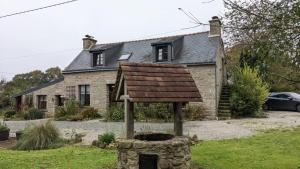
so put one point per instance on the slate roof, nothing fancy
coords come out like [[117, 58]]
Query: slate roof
[[38, 87], [196, 48], [147, 82]]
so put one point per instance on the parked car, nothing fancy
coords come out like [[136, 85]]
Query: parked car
[[283, 101]]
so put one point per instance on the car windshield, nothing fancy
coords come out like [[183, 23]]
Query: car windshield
[[295, 95]]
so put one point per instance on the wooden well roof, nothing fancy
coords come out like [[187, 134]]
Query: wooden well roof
[[147, 82]]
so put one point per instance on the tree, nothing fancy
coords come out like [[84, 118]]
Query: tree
[[248, 92], [53, 73], [269, 33]]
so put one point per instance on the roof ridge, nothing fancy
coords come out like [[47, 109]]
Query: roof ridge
[[128, 41]]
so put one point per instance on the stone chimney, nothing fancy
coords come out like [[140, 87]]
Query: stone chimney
[[215, 27], [88, 42]]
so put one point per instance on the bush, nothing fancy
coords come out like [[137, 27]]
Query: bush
[[142, 112], [154, 111], [70, 108], [33, 113], [90, 113], [39, 137], [106, 138], [76, 117], [194, 112], [9, 113], [115, 113], [248, 92], [3, 127]]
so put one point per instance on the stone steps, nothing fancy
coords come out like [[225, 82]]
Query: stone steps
[[224, 104]]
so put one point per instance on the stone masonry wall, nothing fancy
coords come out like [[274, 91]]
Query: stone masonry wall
[[98, 82], [51, 92], [172, 154], [205, 79]]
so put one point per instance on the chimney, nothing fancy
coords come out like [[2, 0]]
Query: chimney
[[88, 42], [215, 27]]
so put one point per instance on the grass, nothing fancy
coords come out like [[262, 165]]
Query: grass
[[275, 149], [72, 157]]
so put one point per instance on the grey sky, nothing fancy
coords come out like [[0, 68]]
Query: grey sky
[[52, 37]]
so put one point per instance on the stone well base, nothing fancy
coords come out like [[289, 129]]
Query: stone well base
[[171, 154]]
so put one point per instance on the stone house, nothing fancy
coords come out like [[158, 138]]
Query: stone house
[[90, 77]]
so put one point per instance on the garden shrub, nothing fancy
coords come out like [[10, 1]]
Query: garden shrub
[[60, 113], [75, 117], [106, 138], [39, 137], [248, 93], [194, 112], [71, 107], [9, 113], [115, 113], [90, 113], [73, 112], [142, 112], [3, 127], [154, 111], [33, 113]]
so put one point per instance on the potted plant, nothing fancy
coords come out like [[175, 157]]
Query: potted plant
[[4, 132]]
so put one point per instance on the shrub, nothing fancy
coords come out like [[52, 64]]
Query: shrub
[[3, 127], [194, 112], [106, 138], [38, 137], [70, 108], [9, 113], [75, 117], [248, 92], [152, 111], [115, 113], [33, 113], [90, 113], [60, 113], [156, 111]]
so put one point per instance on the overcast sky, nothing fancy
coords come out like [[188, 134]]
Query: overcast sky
[[53, 37]]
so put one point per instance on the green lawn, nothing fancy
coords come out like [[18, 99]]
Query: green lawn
[[270, 150], [73, 157]]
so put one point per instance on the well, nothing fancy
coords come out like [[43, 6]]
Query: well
[[169, 152], [140, 82]]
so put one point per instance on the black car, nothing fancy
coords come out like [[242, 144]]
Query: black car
[[283, 101]]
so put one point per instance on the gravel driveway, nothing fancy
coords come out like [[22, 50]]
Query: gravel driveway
[[205, 130]]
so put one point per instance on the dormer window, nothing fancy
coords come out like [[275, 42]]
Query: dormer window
[[162, 53], [98, 59]]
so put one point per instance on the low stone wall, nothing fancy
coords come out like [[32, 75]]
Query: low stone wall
[[172, 154]]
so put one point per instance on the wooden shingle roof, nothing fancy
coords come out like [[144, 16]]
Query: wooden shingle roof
[[147, 82]]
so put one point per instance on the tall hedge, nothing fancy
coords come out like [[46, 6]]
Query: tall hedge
[[249, 92]]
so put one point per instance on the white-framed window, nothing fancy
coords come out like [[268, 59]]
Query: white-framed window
[[98, 59], [161, 53]]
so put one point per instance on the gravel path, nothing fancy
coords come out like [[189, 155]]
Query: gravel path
[[205, 130]]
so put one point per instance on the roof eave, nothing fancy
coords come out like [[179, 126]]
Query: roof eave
[[38, 87], [88, 70]]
